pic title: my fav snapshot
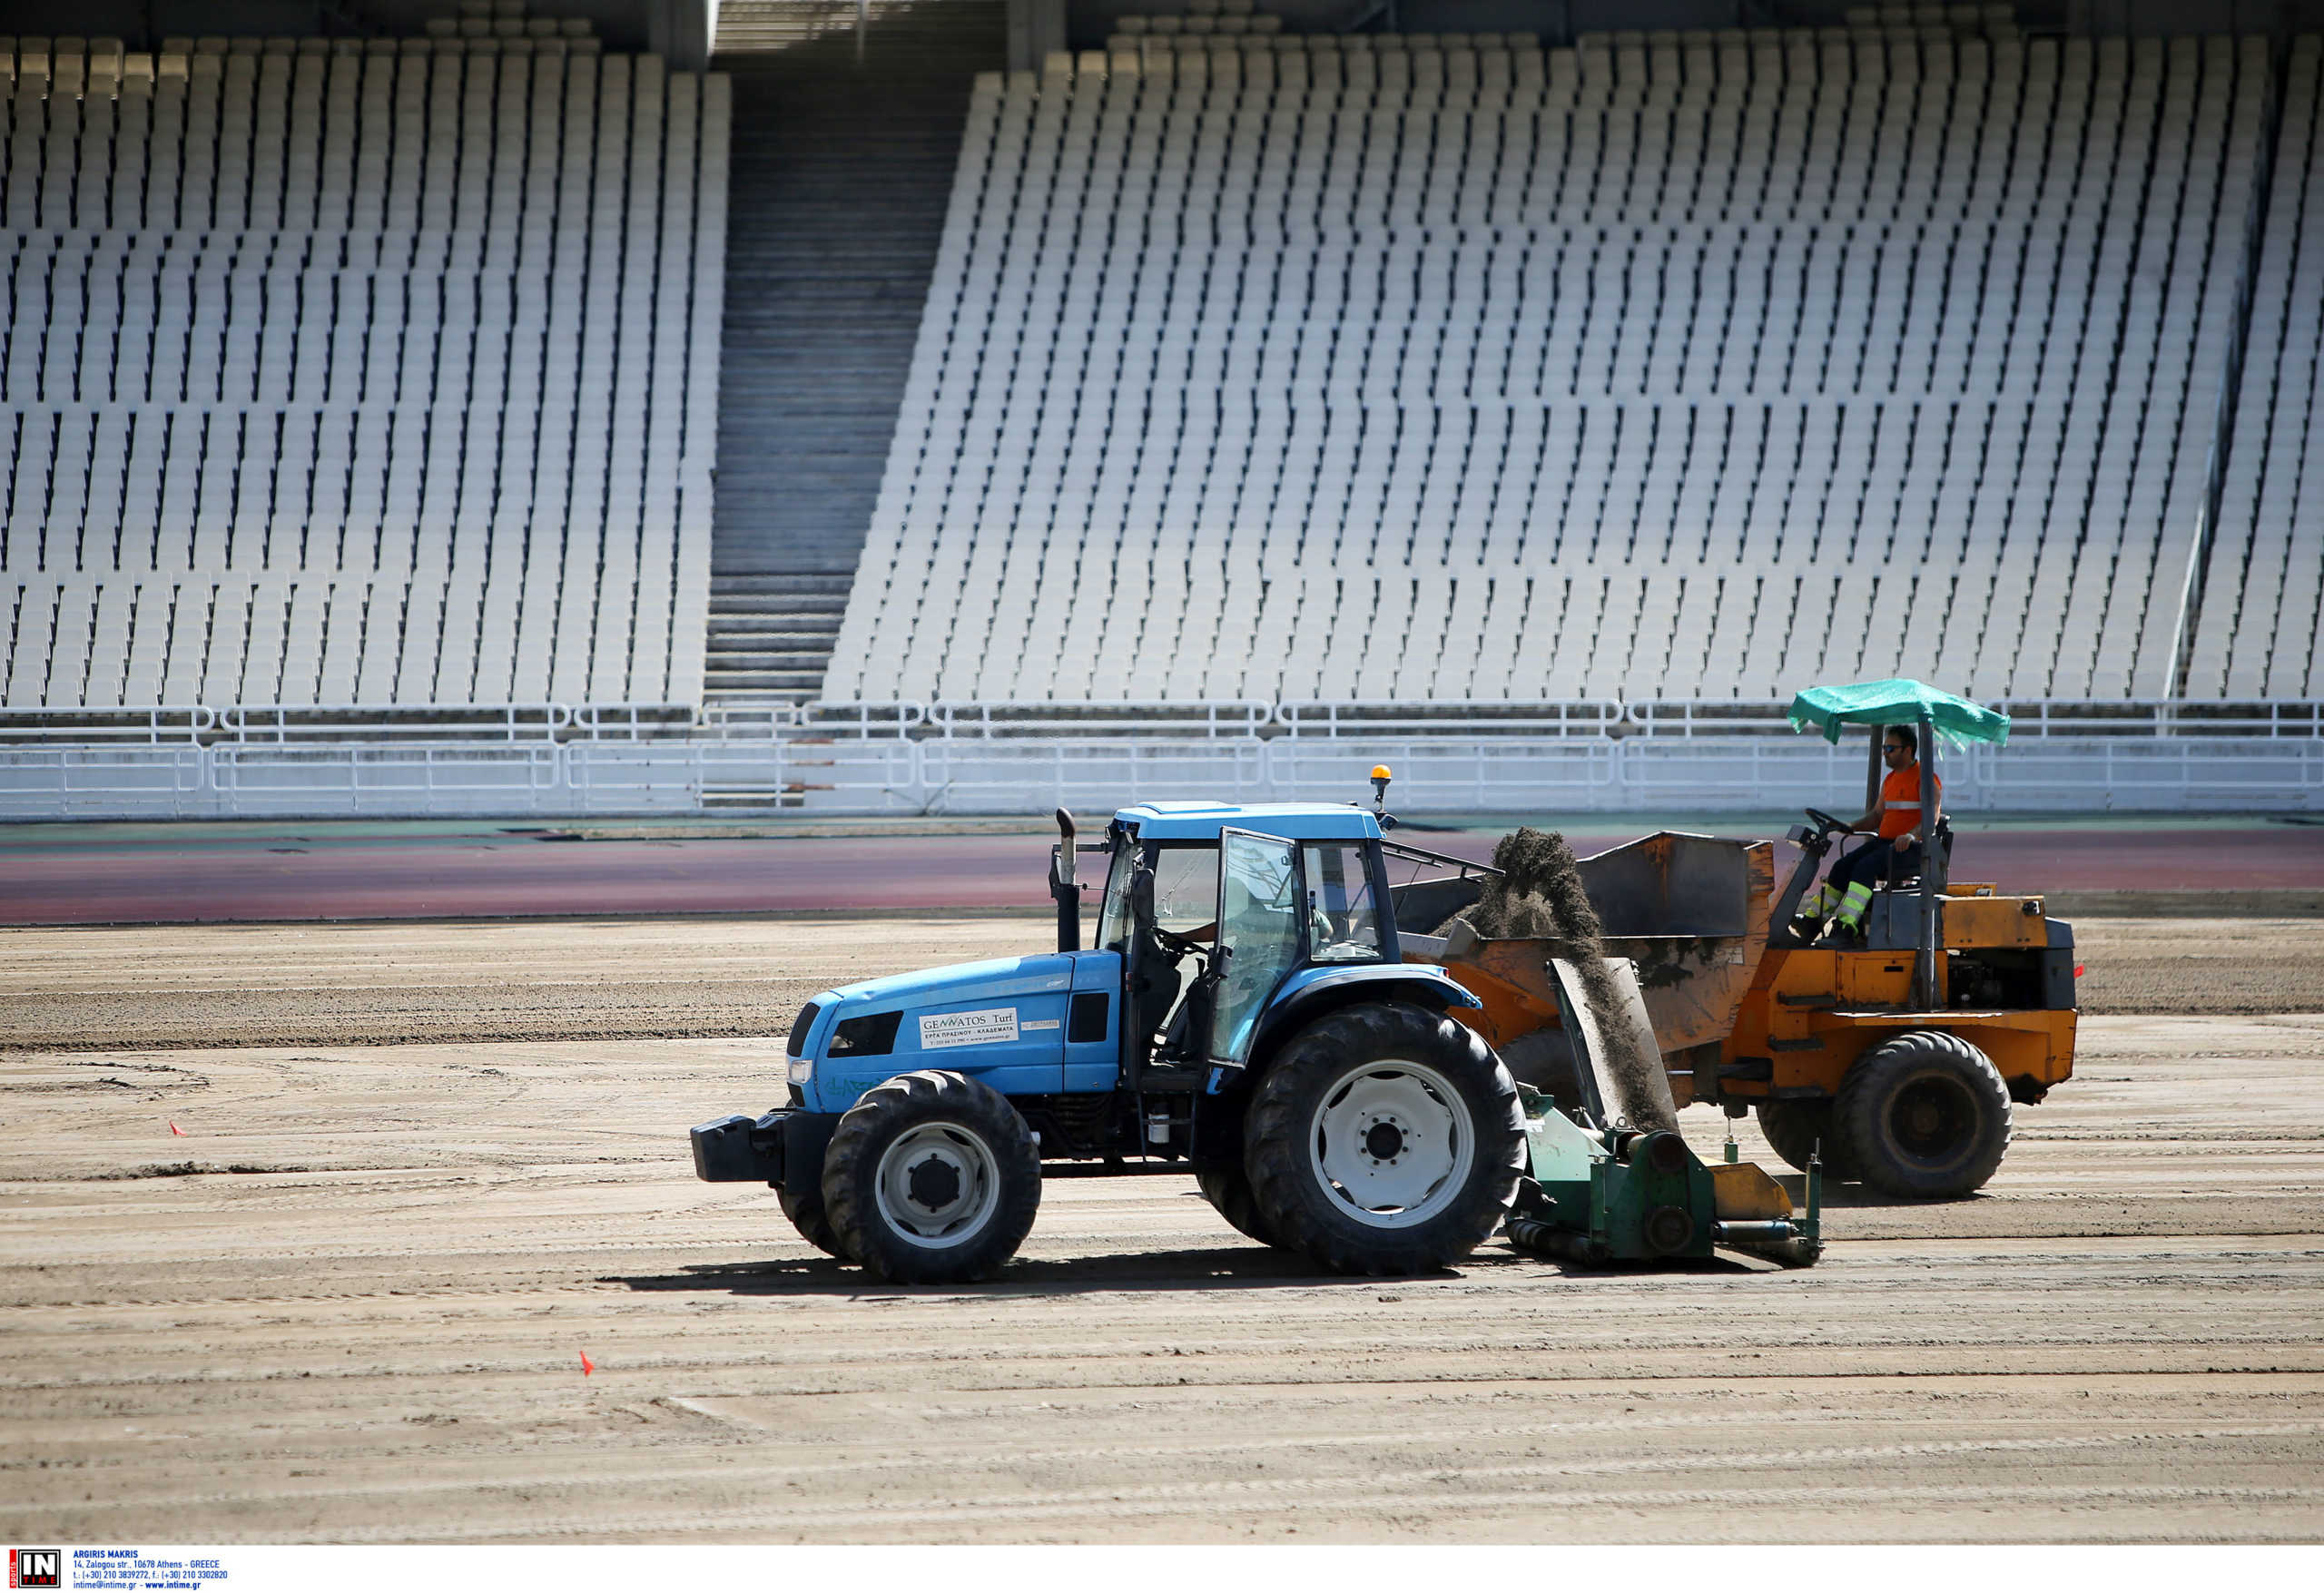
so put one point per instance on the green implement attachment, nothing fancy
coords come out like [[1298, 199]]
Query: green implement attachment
[[1876, 703], [1602, 1197], [1615, 1181]]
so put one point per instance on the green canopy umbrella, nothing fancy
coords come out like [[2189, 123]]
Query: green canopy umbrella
[[1827, 708]]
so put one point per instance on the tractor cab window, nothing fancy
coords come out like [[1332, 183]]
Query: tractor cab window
[[1186, 891], [1113, 918], [1186, 894], [1343, 913]]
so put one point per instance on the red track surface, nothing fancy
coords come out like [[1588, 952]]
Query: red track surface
[[238, 879]]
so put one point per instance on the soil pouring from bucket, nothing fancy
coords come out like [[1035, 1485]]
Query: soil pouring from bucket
[[1538, 895]]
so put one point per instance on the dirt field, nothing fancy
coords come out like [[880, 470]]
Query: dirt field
[[350, 1304], [384, 983]]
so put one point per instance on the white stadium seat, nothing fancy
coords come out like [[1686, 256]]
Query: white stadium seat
[[1668, 370], [289, 377]]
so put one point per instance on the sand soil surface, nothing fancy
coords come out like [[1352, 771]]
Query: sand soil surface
[[383, 983], [318, 1290]]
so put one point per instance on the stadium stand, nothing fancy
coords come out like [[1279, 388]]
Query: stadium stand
[[2260, 620], [358, 372], [1673, 365]]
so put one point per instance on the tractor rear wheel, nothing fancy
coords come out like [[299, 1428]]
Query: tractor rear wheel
[[805, 1207], [932, 1178], [1796, 1130], [1228, 1190], [1384, 1139], [1925, 1115]]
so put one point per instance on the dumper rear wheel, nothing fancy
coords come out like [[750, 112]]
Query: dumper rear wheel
[[1228, 1190], [932, 1178], [1925, 1115], [1384, 1139]]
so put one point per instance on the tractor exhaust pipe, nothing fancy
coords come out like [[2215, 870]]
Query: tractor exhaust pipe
[[1063, 889]]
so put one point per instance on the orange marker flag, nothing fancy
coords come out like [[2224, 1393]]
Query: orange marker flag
[[179, 1132], [588, 1366]]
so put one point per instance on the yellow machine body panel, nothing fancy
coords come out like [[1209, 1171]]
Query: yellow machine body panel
[[1993, 923], [1743, 1192], [1770, 1020]]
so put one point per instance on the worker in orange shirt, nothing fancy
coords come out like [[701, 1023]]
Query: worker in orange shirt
[[1895, 822]]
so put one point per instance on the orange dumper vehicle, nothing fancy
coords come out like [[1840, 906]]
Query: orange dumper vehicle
[[1902, 1058]]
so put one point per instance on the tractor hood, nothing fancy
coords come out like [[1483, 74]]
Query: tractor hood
[[1003, 1021], [962, 981]]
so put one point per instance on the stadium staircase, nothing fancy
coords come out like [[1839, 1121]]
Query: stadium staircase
[[842, 172], [770, 635]]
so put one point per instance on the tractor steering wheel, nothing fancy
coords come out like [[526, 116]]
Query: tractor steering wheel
[[1178, 945], [1827, 822]]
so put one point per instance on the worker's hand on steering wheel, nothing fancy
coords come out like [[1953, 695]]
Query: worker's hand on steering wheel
[[1828, 823]]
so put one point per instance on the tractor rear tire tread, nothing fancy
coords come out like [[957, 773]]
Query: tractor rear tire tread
[[1228, 1190], [1863, 1113], [1279, 1159], [851, 1170]]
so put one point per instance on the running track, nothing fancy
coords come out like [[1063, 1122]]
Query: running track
[[207, 876]]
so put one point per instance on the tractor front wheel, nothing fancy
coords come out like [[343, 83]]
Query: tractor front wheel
[[932, 1178], [1384, 1139], [1923, 1115], [805, 1207]]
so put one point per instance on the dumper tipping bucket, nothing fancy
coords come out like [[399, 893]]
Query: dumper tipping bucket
[[1617, 1064]]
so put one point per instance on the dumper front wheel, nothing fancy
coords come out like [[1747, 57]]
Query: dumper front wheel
[[1925, 1115], [1797, 1130], [932, 1178], [1384, 1139]]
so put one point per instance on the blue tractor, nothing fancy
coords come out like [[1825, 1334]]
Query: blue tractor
[[1245, 1014]]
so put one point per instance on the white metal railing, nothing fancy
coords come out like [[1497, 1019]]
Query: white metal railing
[[278, 724], [525, 723], [2163, 717], [1557, 720], [1209, 720], [107, 726], [1692, 721], [933, 774], [723, 721], [275, 725]]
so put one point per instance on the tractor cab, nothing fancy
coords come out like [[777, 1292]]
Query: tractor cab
[[1210, 909]]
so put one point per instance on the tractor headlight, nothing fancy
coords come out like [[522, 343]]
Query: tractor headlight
[[802, 1065]]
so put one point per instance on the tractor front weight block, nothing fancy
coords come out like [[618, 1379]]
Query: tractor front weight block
[[740, 1149], [782, 1148]]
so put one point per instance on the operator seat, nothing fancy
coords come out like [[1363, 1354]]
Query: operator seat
[[1900, 879]]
